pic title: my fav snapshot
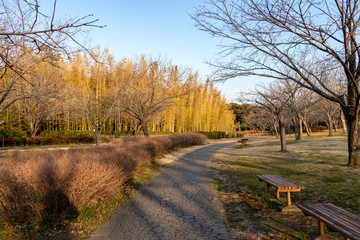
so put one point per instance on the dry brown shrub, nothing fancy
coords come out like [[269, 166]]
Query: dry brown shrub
[[31, 189], [47, 185], [184, 140]]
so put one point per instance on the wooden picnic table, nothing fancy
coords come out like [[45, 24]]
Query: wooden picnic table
[[335, 218], [243, 141], [281, 184]]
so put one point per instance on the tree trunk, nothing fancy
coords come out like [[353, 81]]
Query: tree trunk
[[335, 124], [307, 128], [295, 122], [351, 109], [136, 129], [97, 137], [330, 125], [343, 121], [145, 129], [34, 128], [282, 137], [118, 124], [276, 131], [33, 132], [300, 126], [353, 133]]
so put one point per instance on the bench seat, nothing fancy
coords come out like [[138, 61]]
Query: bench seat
[[243, 141], [335, 218], [281, 184]]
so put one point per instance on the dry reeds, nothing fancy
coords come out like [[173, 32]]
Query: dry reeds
[[47, 185]]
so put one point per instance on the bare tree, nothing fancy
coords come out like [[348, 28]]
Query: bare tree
[[27, 31], [44, 93], [309, 101], [330, 111], [134, 124], [273, 100], [299, 101], [305, 37], [258, 118]]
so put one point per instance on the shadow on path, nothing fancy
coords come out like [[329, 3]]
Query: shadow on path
[[179, 203]]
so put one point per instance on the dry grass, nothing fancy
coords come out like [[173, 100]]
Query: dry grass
[[50, 187], [318, 163]]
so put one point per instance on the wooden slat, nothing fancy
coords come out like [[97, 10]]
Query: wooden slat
[[315, 209], [346, 220], [279, 182], [341, 219], [289, 190], [337, 218], [318, 215], [340, 215]]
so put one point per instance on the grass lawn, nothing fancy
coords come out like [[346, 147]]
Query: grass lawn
[[317, 162]]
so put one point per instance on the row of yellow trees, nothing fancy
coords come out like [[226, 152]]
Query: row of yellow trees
[[99, 94]]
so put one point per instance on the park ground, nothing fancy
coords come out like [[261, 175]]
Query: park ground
[[318, 162]]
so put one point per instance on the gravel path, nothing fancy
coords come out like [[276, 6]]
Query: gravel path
[[179, 203]]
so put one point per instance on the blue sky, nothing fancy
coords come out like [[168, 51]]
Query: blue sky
[[152, 27]]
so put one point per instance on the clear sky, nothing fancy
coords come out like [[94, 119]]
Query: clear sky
[[152, 27]]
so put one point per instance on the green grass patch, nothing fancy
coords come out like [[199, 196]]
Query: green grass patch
[[317, 162]]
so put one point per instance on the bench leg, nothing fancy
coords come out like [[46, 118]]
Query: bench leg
[[321, 228], [268, 187], [323, 235], [288, 198]]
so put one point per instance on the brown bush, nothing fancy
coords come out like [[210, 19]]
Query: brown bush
[[47, 185], [319, 129]]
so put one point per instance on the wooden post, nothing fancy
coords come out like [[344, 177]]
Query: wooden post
[[268, 187], [321, 227], [288, 198], [277, 194]]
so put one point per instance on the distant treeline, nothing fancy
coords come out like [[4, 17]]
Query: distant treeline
[[84, 94]]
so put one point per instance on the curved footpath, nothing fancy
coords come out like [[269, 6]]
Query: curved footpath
[[178, 203]]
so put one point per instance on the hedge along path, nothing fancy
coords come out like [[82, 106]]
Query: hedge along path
[[179, 203]]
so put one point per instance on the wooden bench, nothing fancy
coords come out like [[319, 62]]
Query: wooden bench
[[335, 218], [281, 185], [243, 141]]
